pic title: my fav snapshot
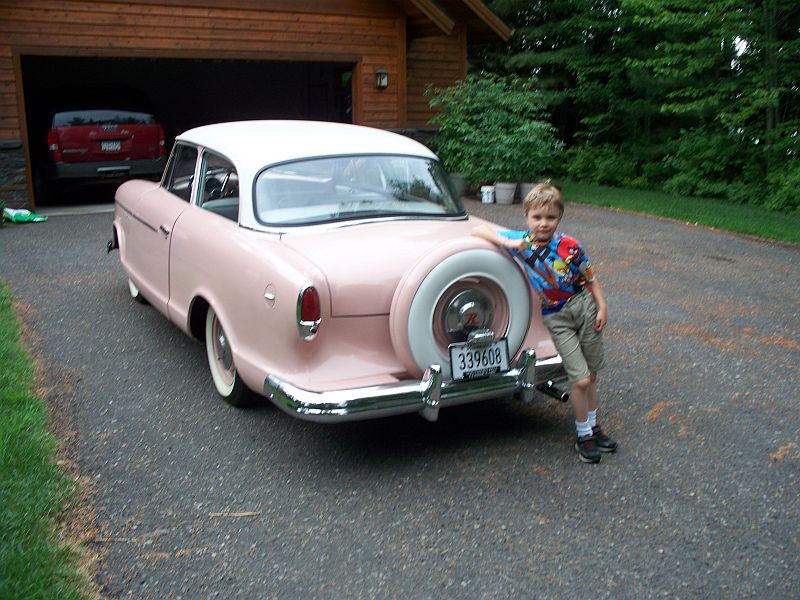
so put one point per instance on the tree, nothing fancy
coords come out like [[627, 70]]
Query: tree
[[702, 98], [578, 50], [735, 67]]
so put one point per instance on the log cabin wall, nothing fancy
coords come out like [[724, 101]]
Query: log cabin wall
[[364, 33], [436, 60], [413, 39], [372, 37]]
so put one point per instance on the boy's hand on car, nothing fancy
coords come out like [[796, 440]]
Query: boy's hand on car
[[516, 245]]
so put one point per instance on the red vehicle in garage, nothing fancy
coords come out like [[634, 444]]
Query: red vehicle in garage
[[95, 146]]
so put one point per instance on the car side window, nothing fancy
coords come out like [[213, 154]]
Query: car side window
[[180, 172], [219, 191]]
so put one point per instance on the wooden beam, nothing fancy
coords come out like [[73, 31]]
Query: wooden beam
[[435, 14], [491, 19]]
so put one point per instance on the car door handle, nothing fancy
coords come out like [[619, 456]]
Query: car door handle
[[165, 230]]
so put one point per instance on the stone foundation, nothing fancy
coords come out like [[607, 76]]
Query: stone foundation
[[13, 186]]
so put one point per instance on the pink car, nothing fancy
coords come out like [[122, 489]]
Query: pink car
[[329, 268]]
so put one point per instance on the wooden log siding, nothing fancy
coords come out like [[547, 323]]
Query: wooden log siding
[[109, 29], [437, 60]]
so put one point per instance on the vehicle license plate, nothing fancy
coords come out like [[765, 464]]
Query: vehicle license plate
[[110, 145], [468, 361]]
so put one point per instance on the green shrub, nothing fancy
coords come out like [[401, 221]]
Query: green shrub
[[709, 162], [784, 186], [627, 165], [602, 164], [494, 128]]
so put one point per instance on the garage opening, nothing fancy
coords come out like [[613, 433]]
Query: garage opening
[[179, 93]]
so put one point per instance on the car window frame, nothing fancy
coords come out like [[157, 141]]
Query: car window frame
[[203, 162], [169, 171]]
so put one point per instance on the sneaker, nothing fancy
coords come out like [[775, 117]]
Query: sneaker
[[603, 442], [587, 449]]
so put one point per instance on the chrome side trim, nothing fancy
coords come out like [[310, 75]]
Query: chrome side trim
[[425, 396], [130, 213]]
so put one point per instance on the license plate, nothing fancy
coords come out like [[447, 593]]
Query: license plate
[[110, 145], [468, 361]]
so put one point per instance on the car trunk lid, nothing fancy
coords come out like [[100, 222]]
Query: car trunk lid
[[364, 264]]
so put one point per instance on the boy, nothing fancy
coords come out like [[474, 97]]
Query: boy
[[559, 271]]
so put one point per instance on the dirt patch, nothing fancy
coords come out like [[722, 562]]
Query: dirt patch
[[788, 451], [781, 342], [744, 338], [655, 412]]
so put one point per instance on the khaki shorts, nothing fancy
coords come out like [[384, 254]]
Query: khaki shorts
[[577, 341]]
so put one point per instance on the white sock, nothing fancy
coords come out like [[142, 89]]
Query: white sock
[[592, 417], [583, 428]]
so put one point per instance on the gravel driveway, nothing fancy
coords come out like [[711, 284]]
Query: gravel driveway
[[194, 499]]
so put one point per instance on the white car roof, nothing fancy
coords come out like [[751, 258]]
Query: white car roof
[[252, 145]]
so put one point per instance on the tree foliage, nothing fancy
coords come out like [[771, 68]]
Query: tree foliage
[[696, 97]]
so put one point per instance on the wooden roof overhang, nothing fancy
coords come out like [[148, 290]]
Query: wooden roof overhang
[[427, 16], [481, 22]]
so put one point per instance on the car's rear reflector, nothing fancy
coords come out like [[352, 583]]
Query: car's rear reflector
[[53, 146]]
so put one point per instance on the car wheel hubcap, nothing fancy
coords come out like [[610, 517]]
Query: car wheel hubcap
[[469, 310], [222, 350]]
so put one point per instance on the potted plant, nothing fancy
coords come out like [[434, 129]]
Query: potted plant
[[493, 129]]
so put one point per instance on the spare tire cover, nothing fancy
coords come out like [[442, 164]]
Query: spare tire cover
[[411, 319]]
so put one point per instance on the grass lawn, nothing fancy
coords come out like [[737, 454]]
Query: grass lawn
[[703, 211], [34, 563]]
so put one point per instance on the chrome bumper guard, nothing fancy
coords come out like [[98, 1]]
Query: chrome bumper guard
[[425, 396]]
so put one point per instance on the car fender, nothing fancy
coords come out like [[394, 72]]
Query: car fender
[[253, 281]]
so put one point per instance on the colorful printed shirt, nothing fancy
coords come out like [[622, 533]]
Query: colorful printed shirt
[[557, 270]]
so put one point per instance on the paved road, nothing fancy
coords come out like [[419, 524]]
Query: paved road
[[194, 499]]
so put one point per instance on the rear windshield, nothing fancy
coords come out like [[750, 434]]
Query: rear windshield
[[101, 117], [353, 187]]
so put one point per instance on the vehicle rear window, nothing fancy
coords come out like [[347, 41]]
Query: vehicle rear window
[[353, 187], [101, 117]]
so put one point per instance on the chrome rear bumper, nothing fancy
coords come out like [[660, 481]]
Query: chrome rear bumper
[[425, 396]]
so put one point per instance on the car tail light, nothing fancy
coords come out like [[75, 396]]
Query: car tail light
[[309, 312], [53, 145], [162, 144]]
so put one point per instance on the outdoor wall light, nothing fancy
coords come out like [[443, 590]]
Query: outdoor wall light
[[381, 78]]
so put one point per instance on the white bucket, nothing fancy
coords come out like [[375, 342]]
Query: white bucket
[[504, 192], [487, 194]]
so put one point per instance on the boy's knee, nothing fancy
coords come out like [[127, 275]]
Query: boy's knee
[[583, 384]]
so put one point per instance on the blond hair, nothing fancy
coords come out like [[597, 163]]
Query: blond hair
[[544, 195]]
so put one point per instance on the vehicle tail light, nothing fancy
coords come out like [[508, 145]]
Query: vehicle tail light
[[53, 145], [309, 312], [162, 143]]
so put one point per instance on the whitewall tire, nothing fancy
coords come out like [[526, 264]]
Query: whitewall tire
[[135, 293], [415, 321], [220, 362]]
